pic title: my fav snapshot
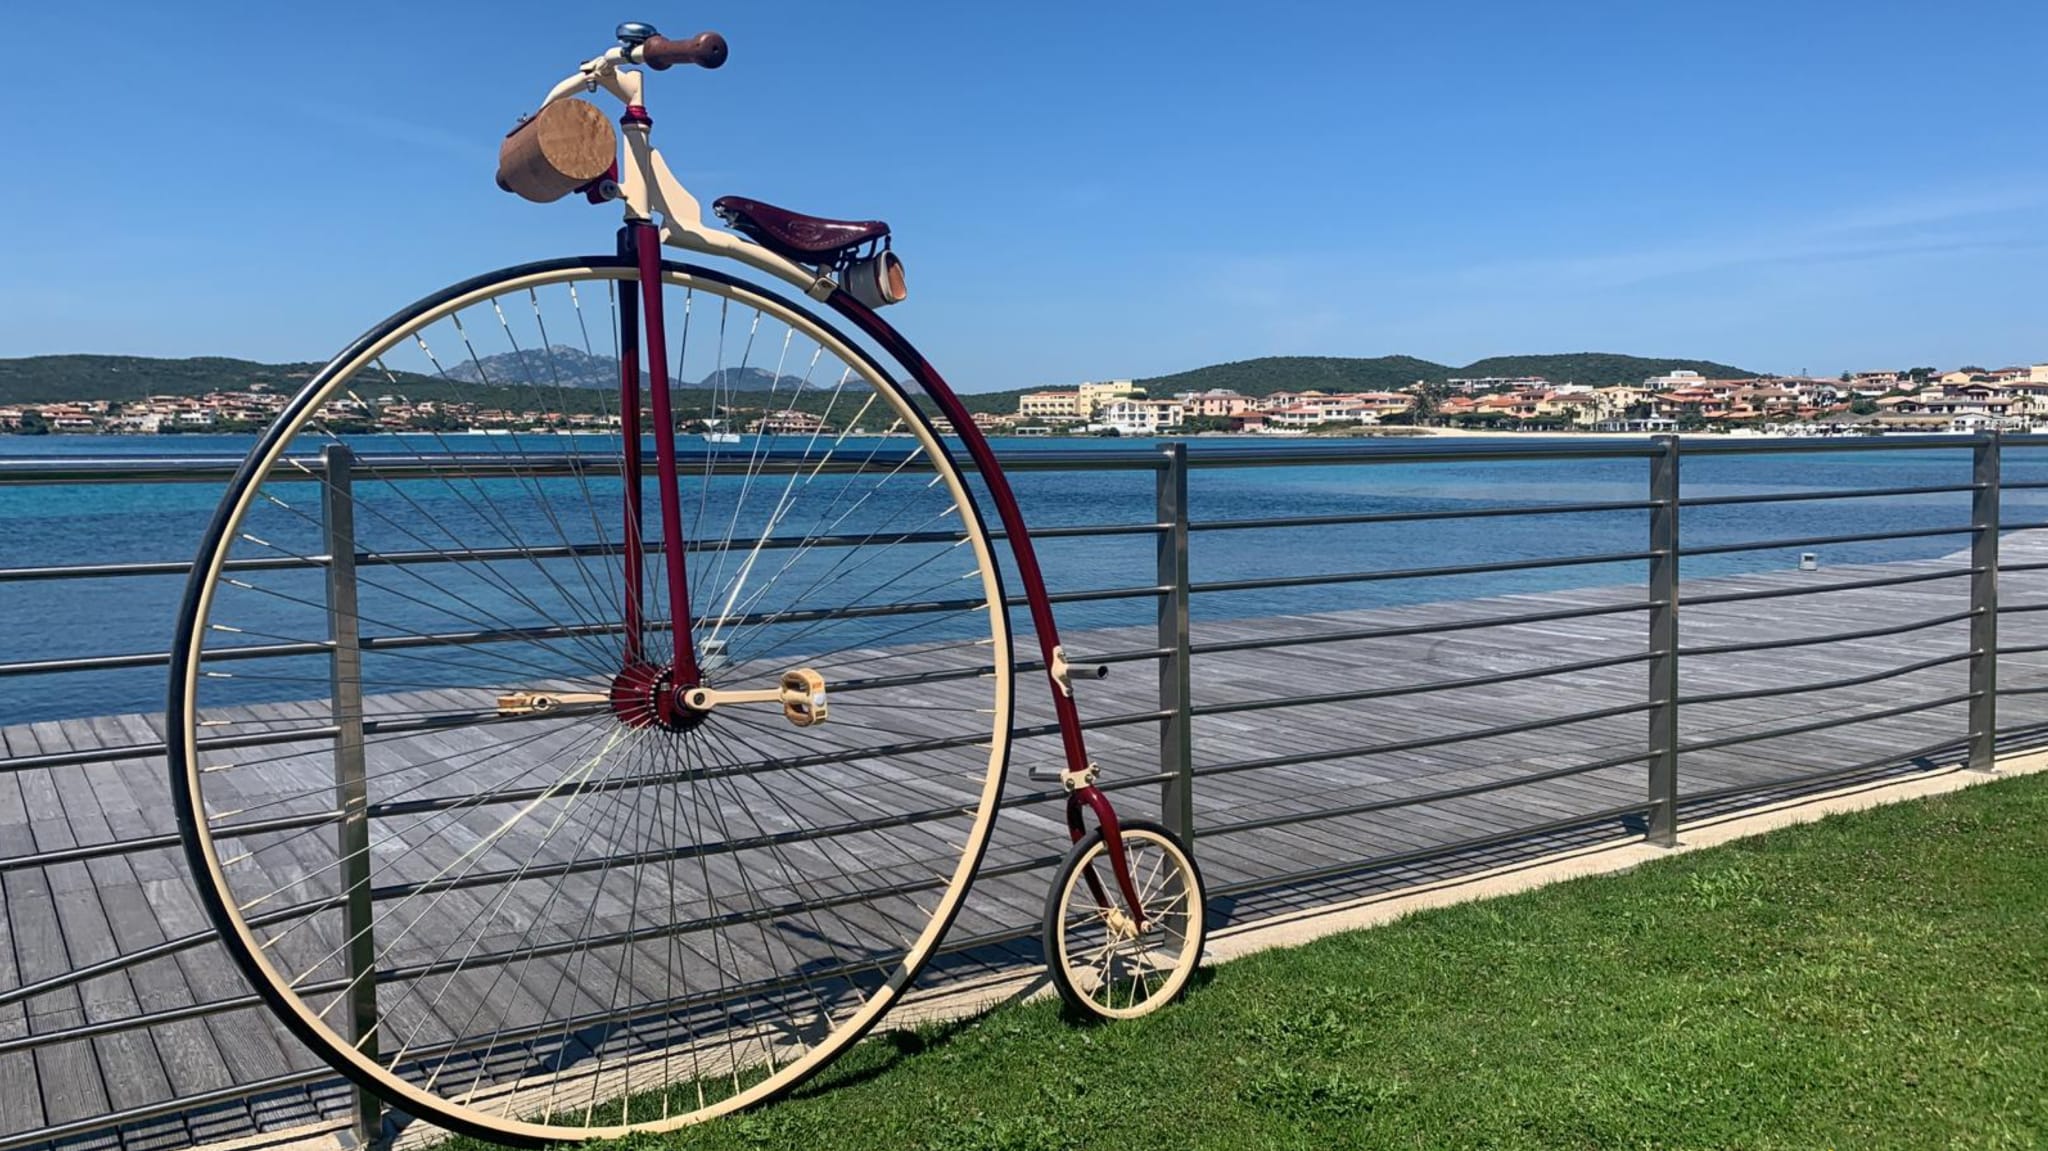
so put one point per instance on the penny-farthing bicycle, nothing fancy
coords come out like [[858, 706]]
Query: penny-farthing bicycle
[[562, 786]]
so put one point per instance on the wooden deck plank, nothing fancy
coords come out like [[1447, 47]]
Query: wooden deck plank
[[118, 906]]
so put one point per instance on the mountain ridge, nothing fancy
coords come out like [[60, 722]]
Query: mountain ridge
[[33, 379], [1267, 374]]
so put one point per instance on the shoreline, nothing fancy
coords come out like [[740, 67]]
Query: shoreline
[[1393, 433]]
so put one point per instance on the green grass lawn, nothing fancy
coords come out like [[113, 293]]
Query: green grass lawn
[[1876, 979]]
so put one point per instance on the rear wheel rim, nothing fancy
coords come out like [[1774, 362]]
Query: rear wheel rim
[[1105, 964], [792, 957]]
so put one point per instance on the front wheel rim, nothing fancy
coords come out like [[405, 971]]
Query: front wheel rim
[[191, 764]]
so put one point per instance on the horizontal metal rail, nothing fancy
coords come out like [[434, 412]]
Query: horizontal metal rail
[[1824, 724], [1425, 687], [375, 643], [1360, 751], [1890, 760], [1824, 685], [705, 923], [553, 552], [1217, 647], [1413, 517], [1830, 637], [130, 752], [1824, 588], [1417, 573], [1816, 541], [58, 1132], [1426, 798], [522, 465], [1834, 494], [1294, 454], [1433, 851]]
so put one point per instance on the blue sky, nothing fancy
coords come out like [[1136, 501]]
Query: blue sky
[[1082, 190]]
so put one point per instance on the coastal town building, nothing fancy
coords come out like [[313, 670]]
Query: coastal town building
[[1216, 403], [1082, 403], [1479, 385], [1134, 417], [2009, 398], [1058, 406], [786, 422], [1094, 396]]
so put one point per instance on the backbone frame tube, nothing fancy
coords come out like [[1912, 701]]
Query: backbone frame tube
[[1026, 558]]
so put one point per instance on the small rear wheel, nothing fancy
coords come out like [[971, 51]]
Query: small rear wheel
[[1106, 962]]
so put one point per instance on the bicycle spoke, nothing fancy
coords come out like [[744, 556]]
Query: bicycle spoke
[[574, 901]]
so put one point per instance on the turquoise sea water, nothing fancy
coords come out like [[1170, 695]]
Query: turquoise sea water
[[75, 524]]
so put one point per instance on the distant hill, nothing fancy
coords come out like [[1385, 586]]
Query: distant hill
[[1386, 373], [132, 377], [567, 367], [1301, 373], [559, 366], [87, 377], [1600, 369], [511, 375], [761, 380]]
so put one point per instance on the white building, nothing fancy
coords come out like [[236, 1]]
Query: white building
[[1142, 417]]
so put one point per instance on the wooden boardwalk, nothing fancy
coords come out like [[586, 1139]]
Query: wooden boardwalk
[[64, 917]]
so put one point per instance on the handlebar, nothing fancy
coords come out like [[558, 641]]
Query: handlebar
[[706, 50]]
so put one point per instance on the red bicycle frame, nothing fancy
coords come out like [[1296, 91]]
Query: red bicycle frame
[[984, 456], [641, 241]]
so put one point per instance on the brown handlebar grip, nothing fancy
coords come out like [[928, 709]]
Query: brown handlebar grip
[[706, 50]]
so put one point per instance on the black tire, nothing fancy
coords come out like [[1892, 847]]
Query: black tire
[[1179, 881], [194, 755]]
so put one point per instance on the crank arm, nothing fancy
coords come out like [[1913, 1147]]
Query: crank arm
[[801, 694]]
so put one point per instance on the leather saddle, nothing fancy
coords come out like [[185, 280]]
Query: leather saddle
[[795, 236]]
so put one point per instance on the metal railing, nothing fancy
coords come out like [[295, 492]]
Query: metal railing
[[1187, 774]]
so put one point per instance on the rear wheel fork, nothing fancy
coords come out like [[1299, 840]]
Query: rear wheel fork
[[1113, 846]]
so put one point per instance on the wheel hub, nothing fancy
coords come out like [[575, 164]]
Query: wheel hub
[[1121, 926], [644, 695]]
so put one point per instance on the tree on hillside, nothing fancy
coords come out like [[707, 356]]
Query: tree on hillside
[[1428, 402], [1863, 406]]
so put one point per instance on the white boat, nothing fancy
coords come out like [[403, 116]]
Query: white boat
[[721, 437]]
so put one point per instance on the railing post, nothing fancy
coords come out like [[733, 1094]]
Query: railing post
[[350, 784], [1984, 604], [1176, 732], [1663, 640]]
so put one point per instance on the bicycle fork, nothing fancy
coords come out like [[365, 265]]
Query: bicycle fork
[[641, 684]]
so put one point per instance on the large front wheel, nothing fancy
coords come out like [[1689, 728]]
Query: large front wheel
[[437, 793]]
